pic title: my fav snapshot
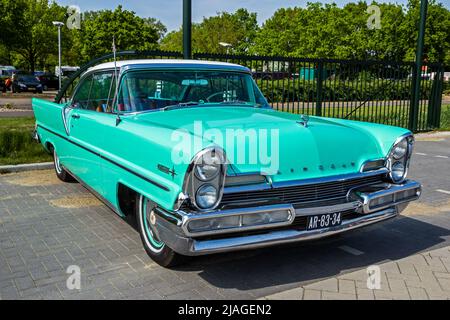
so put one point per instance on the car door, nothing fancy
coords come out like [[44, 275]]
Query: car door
[[85, 124]]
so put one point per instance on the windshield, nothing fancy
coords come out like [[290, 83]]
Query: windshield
[[155, 90]]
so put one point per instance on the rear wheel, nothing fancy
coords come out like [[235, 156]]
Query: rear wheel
[[62, 174], [155, 248]]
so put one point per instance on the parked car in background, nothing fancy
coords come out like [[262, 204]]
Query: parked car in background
[[5, 74], [67, 71], [6, 70], [155, 150], [26, 83], [49, 81]]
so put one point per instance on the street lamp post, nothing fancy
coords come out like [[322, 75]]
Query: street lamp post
[[187, 29], [226, 45], [59, 25]]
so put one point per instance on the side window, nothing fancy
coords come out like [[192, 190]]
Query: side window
[[103, 90], [139, 92], [81, 97]]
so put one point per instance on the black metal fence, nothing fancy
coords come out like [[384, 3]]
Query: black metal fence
[[373, 91]]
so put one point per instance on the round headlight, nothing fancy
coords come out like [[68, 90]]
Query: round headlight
[[206, 196], [400, 149], [206, 172], [398, 171], [208, 167]]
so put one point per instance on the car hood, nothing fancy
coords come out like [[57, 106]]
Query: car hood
[[273, 142]]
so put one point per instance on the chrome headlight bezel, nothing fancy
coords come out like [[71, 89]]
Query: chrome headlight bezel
[[400, 155], [194, 181]]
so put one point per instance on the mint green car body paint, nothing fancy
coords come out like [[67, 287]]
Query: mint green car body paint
[[103, 154]]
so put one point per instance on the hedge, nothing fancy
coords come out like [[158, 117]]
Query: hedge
[[306, 90]]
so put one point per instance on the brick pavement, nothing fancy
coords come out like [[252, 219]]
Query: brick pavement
[[47, 226], [421, 276]]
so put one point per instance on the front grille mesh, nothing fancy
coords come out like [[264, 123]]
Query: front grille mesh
[[302, 194]]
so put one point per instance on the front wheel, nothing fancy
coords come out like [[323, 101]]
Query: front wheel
[[62, 174], [155, 248]]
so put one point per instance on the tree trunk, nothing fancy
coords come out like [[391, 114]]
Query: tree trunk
[[32, 61]]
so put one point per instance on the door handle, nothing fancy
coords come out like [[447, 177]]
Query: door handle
[[76, 116]]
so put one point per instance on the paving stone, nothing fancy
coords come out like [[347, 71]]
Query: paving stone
[[347, 286], [326, 295], [417, 293], [364, 294], [24, 283], [311, 294], [293, 294], [326, 285]]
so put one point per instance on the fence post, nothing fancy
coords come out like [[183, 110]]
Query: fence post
[[438, 100], [418, 65], [319, 89], [412, 105]]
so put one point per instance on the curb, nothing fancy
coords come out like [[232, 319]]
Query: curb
[[434, 134], [26, 167]]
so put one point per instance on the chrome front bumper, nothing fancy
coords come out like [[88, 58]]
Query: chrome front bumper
[[172, 226]]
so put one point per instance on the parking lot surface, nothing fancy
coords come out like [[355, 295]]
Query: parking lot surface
[[47, 226]]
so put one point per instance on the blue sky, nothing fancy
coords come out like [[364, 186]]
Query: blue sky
[[170, 11]]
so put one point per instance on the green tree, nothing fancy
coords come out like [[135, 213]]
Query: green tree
[[160, 28], [29, 30], [437, 31], [327, 31], [130, 31], [238, 29]]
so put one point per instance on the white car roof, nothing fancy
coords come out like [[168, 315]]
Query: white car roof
[[169, 62]]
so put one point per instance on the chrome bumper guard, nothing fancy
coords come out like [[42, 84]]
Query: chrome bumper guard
[[373, 204]]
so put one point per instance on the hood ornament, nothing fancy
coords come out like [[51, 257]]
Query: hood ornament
[[305, 120]]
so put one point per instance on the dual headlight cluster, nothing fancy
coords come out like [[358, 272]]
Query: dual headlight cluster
[[206, 180], [398, 160]]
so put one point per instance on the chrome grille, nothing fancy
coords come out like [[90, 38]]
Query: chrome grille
[[303, 193]]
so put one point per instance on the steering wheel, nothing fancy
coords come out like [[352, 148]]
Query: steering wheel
[[213, 95]]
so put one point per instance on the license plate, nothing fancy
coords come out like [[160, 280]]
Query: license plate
[[321, 221]]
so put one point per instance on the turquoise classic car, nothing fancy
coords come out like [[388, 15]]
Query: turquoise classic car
[[193, 151]]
